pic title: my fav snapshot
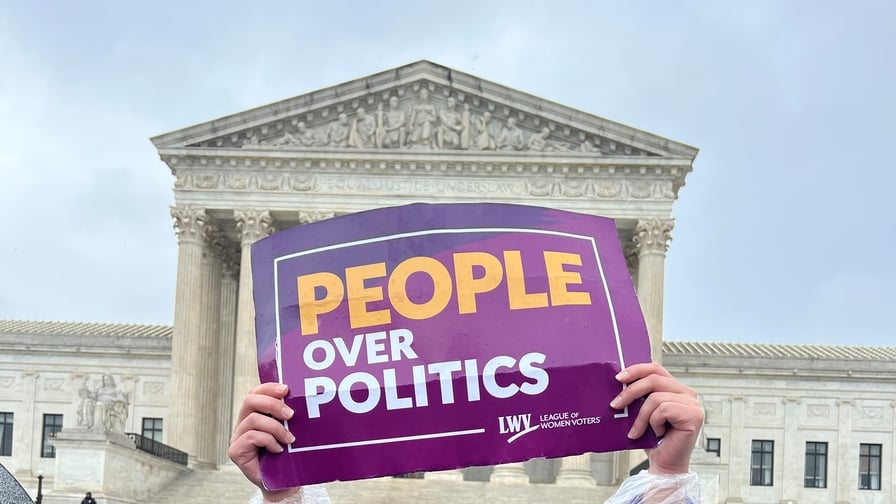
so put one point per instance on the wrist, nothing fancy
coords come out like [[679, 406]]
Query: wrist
[[281, 496]]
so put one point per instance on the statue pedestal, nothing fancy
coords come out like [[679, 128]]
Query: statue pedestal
[[108, 465]]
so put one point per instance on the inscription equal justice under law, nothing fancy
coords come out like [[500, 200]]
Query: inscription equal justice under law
[[406, 186]]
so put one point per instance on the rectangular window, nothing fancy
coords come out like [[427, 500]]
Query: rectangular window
[[816, 465], [152, 429], [714, 445], [5, 434], [52, 425], [761, 462], [869, 466]]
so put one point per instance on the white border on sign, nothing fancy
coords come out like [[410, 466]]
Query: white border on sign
[[367, 241]]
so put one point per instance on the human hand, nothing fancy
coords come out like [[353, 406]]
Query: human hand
[[260, 425], [671, 408]]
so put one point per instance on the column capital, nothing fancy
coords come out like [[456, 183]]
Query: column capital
[[253, 224], [652, 236], [190, 223]]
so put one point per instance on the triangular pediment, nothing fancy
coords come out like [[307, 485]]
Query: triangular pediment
[[422, 107]]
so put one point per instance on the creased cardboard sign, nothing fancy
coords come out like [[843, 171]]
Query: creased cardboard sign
[[430, 337]]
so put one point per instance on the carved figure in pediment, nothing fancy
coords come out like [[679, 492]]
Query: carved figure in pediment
[[422, 122], [304, 136], [251, 141], [391, 126], [453, 127], [362, 134], [338, 132], [587, 146], [511, 137], [103, 409], [286, 139], [483, 138], [539, 142]]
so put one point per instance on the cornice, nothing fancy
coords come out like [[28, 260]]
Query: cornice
[[390, 161], [366, 91]]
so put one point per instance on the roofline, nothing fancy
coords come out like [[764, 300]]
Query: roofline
[[405, 74]]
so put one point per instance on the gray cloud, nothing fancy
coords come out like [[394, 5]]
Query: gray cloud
[[783, 233]]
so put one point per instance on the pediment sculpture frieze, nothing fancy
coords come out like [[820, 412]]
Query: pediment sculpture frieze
[[420, 122]]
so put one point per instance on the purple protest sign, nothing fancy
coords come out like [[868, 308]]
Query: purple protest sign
[[430, 337]]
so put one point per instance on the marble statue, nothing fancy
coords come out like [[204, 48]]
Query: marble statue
[[422, 122], [511, 137], [363, 130], [453, 127], [338, 132], [104, 408], [539, 142], [483, 137], [391, 126]]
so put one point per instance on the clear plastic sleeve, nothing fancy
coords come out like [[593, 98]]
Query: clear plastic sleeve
[[646, 488], [308, 494]]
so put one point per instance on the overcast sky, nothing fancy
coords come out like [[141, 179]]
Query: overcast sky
[[785, 230]]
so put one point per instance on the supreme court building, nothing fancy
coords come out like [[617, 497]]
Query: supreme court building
[[425, 132]]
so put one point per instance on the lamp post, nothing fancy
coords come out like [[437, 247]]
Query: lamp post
[[40, 487]]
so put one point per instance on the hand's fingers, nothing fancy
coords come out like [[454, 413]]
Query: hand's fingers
[[682, 412], [264, 424], [638, 371], [250, 441], [266, 398], [650, 384]]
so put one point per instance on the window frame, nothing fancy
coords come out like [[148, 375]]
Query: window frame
[[51, 426], [717, 449], [869, 459], [766, 453], [816, 459], [7, 424], [155, 431]]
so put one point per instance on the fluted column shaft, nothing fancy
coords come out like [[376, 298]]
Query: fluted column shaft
[[184, 407], [229, 287], [252, 226], [576, 471], [206, 346], [652, 240]]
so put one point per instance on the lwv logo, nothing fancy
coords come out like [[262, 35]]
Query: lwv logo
[[518, 425]]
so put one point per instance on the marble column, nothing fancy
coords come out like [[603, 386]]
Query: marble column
[[576, 471], [229, 287], [793, 453], [652, 240], [207, 348], [604, 468], [846, 462], [252, 225], [510, 473], [21, 437], [184, 408], [739, 452]]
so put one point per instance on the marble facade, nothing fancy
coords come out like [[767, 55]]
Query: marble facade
[[422, 132]]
